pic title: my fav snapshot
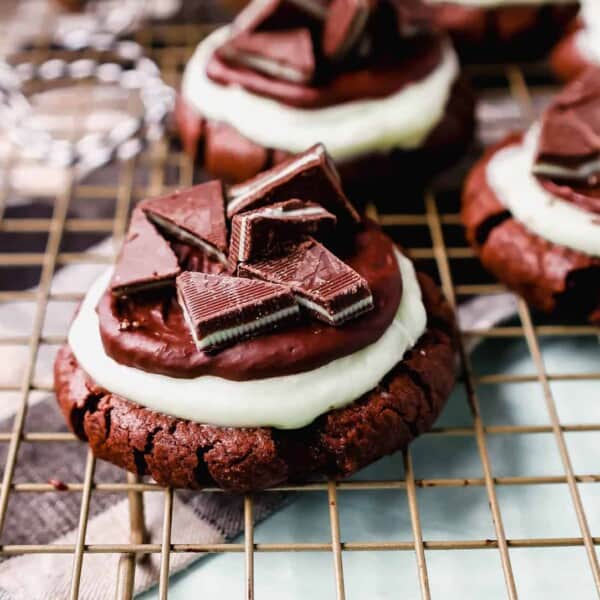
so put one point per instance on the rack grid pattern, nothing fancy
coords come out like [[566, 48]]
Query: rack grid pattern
[[437, 220]]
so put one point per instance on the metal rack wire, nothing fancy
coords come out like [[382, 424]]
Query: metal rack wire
[[437, 222]]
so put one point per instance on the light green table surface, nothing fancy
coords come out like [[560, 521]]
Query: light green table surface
[[447, 513]]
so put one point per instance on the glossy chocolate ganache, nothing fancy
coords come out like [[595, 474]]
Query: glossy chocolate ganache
[[568, 157], [303, 282]]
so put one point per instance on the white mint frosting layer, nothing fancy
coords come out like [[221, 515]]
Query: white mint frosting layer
[[509, 174], [498, 3], [286, 402], [401, 120], [588, 38]]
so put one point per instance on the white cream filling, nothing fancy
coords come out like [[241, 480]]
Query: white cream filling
[[587, 39], [499, 3], [339, 316], [286, 402], [239, 330], [509, 174], [401, 120], [582, 172]]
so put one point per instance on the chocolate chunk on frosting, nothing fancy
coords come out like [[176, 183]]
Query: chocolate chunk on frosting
[[221, 310], [323, 284], [286, 55], [310, 176], [146, 260], [345, 24], [569, 143], [195, 216], [266, 231]]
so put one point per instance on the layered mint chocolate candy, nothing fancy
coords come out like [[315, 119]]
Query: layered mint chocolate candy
[[222, 310], [265, 231], [146, 260], [195, 216], [323, 284]]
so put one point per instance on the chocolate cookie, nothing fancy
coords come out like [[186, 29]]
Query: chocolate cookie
[[193, 455], [550, 277], [511, 32], [373, 80], [566, 59], [229, 155]]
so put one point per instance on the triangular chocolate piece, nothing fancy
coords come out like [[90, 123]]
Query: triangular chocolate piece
[[345, 24], [146, 260], [195, 216], [569, 143], [268, 230], [286, 55], [221, 310], [310, 176], [323, 284]]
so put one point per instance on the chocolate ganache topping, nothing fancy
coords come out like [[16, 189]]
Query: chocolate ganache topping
[[315, 53], [291, 280], [568, 158]]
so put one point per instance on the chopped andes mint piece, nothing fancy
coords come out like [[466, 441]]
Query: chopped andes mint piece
[[266, 231], [310, 176], [268, 15], [286, 55], [569, 142], [345, 24], [146, 259], [323, 284], [221, 310], [195, 216]]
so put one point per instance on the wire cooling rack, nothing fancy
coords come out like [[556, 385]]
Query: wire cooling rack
[[439, 247]]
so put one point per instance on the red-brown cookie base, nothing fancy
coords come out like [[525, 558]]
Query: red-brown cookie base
[[191, 455], [228, 155], [552, 278], [499, 34], [567, 61]]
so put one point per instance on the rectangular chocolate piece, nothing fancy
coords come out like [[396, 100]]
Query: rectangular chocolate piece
[[324, 285], [194, 216], [269, 15], [345, 24], [221, 311], [569, 142], [309, 176], [146, 260], [268, 230], [286, 55]]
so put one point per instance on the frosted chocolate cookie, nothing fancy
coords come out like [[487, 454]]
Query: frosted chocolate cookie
[[531, 206], [580, 49], [372, 80], [500, 30], [307, 345]]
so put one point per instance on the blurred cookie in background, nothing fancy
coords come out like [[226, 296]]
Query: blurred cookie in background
[[373, 80], [499, 30], [169, 10], [580, 49]]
